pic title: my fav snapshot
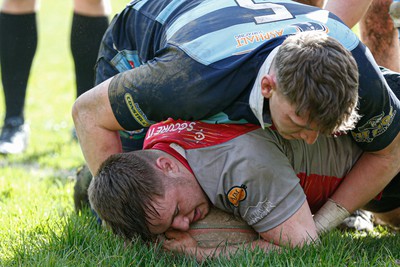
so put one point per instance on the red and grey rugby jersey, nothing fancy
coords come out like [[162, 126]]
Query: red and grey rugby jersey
[[255, 173]]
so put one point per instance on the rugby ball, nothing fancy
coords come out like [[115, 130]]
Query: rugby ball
[[221, 228]]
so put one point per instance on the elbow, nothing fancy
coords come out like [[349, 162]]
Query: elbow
[[78, 111], [75, 111]]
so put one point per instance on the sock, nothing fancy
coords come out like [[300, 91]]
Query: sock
[[18, 42], [86, 35]]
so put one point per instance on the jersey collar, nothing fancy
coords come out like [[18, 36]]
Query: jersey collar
[[256, 99]]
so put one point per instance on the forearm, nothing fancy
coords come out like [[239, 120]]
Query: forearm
[[93, 147], [202, 253], [366, 180], [350, 11], [368, 177], [296, 231], [96, 126]]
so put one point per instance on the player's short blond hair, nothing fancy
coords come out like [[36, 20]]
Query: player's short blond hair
[[320, 77]]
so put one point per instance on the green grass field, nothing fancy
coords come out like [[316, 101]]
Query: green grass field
[[38, 225]]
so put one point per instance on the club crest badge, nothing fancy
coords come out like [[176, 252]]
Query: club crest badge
[[237, 194], [374, 127]]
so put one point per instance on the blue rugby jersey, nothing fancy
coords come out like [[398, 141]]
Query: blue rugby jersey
[[198, 59]]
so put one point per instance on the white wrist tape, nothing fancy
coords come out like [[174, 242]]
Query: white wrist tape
[[330, 215]]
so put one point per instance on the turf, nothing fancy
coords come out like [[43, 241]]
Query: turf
[[38, 225]]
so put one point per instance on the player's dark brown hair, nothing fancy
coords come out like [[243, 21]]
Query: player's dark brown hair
[[320, 77], [123, 191]]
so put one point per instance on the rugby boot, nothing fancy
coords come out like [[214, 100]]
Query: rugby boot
[[360, 220], [14, 136]]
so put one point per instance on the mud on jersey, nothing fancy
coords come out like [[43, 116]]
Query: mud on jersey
[[191, 60]]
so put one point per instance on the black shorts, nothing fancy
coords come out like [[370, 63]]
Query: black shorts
[[390, 199]]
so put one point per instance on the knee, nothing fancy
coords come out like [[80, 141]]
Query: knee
[[92, 7], [19, 6]]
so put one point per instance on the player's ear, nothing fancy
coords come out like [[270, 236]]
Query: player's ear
[[166, 164], [268, 85]]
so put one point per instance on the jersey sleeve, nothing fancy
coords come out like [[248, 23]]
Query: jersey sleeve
[[378, 105], [172, 85], [251, 177]]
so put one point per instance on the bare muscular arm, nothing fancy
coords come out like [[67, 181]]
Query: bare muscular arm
[[372, 172], [296, 231], [368, 177], [96, 126], [350, 11]]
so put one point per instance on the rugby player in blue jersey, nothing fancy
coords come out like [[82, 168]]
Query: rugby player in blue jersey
[[279, 64]]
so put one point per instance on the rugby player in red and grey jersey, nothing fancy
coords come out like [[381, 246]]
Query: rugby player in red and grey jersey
[[274, 184], [278, 63]]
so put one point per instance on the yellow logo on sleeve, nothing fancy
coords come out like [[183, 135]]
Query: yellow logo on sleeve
[[136, 112], [237, 194], [374, 127]]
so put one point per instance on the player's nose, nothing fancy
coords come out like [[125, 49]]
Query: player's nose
[[181, 223]]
